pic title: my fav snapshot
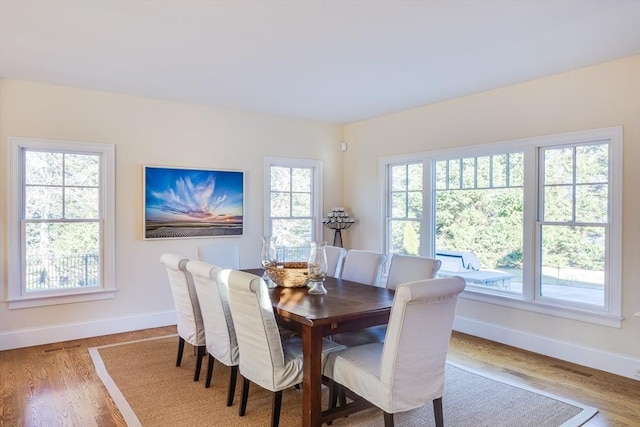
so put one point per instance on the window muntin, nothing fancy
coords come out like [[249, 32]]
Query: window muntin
[[293, 207], [479, 210], [62, 222], [405, 208], [574, 223], [588, 208]]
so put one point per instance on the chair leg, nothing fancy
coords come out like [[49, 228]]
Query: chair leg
[[201, 351], [437, 411], [342, 395], [232, 385], [180, 350], [388, 419], [210, 361], [245, 396], [275, 411], [333, 394]]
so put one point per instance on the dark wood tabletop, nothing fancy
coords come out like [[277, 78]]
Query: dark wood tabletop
[[347, 306]]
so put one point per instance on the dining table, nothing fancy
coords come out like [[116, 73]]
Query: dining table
[[347, 306]]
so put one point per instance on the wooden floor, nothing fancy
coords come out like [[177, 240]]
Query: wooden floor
[[56, 384]]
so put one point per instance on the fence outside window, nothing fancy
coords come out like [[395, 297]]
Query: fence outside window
[[63, 272]]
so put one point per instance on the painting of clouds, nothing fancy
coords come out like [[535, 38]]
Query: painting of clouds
[[182, 203]]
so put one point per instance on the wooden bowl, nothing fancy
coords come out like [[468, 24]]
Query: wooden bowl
[[288, 274]]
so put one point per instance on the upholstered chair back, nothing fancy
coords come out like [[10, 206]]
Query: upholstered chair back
[[405, 268], [335, 258], [213, 296], [363, 266], [223, 255], [189, 317], [415, 348], [262, 359]]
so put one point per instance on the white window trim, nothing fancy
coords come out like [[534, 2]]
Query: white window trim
[[15, 297], [318, 198], [611, 315], [383, 188], [385, 206]]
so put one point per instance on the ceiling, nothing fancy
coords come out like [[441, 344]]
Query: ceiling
[[333, 61]]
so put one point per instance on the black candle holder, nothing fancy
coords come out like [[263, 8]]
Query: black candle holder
[[337, 220]]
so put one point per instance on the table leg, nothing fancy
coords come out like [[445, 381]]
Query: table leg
[[312, 386]]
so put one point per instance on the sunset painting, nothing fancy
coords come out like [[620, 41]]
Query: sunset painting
[[182, 203]]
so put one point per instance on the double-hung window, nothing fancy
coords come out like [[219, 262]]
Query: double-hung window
[[293, 211], [573, 222], [533, 224], [405, 207], [61, 222]]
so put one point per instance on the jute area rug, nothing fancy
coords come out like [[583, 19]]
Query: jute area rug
[[150, 390]]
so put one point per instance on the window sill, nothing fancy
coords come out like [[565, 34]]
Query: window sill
[[42, 300], [598, 318]]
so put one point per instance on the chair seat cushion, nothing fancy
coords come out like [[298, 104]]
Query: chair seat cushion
[[291, 372], [358, 368], [374, 334], [293, 347]]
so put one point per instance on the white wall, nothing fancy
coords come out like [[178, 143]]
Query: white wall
[[148, 132], [594, 97]]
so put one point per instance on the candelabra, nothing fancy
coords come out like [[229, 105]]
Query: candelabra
[[337, 220]]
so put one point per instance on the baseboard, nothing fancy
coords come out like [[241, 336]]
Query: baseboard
[[609, 362], [72, 331], [586, 356]]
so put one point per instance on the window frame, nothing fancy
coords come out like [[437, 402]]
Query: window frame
[[17, 296], [316, 191], [611, 313], [388, 208], [541, 221]]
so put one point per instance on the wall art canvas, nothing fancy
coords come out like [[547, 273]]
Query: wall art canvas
[[183, 203]]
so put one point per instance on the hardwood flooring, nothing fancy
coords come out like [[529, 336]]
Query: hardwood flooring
[[617, 398], [56, 384]]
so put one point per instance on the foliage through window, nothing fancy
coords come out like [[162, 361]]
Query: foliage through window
[[405, 206], [573, 224], [293, 205], [536, 220], [479, 209], [60, 200]]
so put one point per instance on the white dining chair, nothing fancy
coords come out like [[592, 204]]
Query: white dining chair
[[403, 268], [363, 266], [221, 342], [408, 268], [189, 317], [335, 259], [407, 371], [265, 359], [224, 255]]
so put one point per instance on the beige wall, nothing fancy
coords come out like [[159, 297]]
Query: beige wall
[[150, 132], [154, 132], [594, 97]]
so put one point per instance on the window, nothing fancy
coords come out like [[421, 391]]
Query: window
[[573, 223], [405, 208], [62, 210], [293, 192], [532, 224], [479, 215]]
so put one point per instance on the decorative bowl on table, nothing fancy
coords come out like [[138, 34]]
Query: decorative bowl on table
[[288, 274]]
